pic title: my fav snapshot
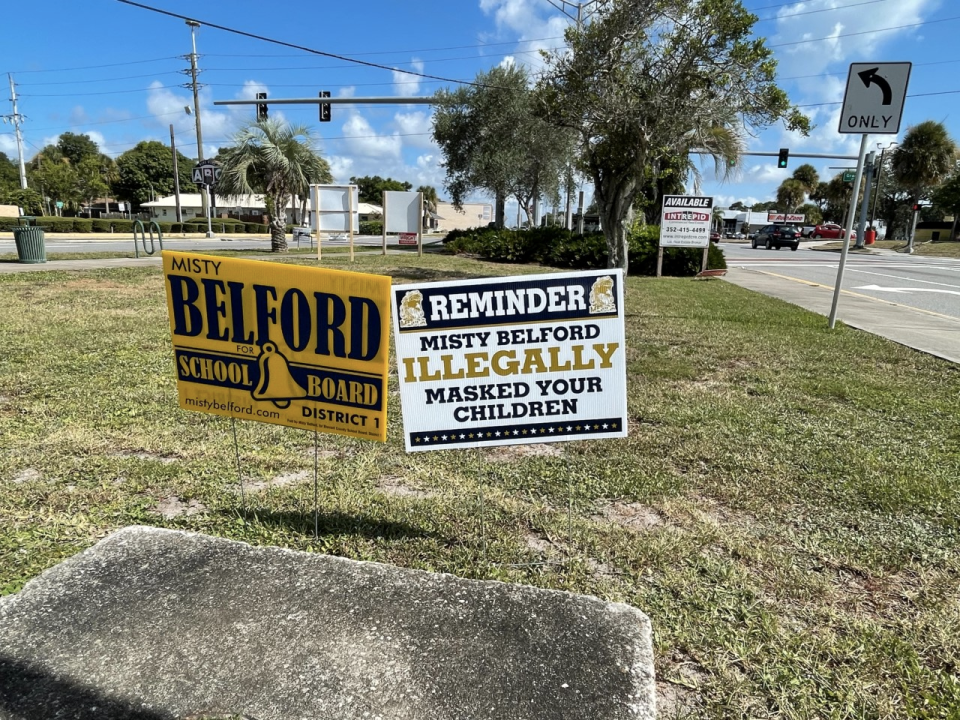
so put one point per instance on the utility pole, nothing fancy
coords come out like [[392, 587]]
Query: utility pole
[[16, 118], [861, 223], [176, 175], [876, 196], [579, 17], [204, 190]]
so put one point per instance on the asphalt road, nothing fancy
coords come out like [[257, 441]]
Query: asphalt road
[[930, 284]]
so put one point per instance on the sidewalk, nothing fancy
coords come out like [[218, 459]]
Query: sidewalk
[[922, 330]]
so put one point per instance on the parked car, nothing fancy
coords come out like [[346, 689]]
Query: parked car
[[776, 236], [831, 231], [807, 230], [714, 236]]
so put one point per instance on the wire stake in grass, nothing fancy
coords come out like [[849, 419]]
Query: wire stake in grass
[[236, 451], [316, 489], [483, 533]]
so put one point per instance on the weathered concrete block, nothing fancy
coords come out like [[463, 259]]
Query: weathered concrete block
[[158, 624]]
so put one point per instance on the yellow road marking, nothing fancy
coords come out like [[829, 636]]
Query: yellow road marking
[[856, 294]]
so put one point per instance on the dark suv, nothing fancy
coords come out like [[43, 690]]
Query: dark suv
[[776, 236]]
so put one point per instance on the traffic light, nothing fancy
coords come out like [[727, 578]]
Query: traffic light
[[784, 156], [325, 107], [916, 208], [261, 107]]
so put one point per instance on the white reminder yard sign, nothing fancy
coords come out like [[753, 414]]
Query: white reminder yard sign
[[685, 221], [504, 361]]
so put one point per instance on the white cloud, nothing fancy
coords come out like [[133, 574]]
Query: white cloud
[[416, 129], [8, 145], [534, 32], [405, 84], [363, 140], [797, 22]]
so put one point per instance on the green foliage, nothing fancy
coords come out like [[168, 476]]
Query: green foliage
[[76, 148], [28, 199], [82, 225], [102, 225], [147, 168], [644, 245], [492, 140], [924, 159], [9, 175], [53, 224], [371, 189], [371, 227], [122, 226], [642, 89], [559, 247]]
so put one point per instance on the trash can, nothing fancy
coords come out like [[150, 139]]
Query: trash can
[[869, 236], [302, 233], [31, 247]]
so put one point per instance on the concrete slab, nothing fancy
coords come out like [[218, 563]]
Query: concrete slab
[[159, 624], [922, 330]]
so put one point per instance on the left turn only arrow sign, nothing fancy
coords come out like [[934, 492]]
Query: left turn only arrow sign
[[206, 173]]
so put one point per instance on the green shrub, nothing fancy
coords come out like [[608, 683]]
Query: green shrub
[[122, 226], [7, 224], [82, 225], [677, 262], [559, 247], [53, 224], [371, 227], [101, 225]]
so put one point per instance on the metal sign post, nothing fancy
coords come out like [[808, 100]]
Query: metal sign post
[[872, 104], [207, 173]]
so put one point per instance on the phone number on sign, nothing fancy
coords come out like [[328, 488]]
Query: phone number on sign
[[683, 229]]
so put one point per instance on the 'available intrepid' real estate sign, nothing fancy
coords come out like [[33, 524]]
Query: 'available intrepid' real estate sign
[[685, 221], [512, 360], [284, 344]]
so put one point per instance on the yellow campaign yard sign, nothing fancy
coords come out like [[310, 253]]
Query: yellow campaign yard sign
[[285, 344]]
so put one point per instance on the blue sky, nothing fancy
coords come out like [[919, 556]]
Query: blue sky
[[112, 71]]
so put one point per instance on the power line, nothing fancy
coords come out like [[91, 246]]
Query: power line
[[93, 67], [416, 50], [837, 74], [297, 47], [821, 10], [77, 82], [914, 95], [862, 32]]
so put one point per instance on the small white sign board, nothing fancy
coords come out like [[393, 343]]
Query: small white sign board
[[685, 221], [873, 101], [511, 360], [334, 206], [401, 211]]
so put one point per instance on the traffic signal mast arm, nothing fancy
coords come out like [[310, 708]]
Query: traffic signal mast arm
[[777, 154]]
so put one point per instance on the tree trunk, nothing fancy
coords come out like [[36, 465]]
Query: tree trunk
[[500, 212], [278, 235], [614, 198]]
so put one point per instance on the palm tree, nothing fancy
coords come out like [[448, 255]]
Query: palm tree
[[924, 159], [278, 160], [790, 195], [808, 178]]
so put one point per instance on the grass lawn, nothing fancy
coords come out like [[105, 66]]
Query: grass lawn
[[785, 507], [930, 249]]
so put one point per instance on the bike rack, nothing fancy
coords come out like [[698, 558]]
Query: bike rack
[[138, 225]]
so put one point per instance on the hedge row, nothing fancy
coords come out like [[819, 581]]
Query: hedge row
[[86, 225], [562, 248]]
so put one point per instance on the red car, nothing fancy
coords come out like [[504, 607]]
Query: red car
[[830, 230], [714, 236]]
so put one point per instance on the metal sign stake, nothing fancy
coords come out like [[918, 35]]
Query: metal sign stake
[[236, 451], [847, 230]]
